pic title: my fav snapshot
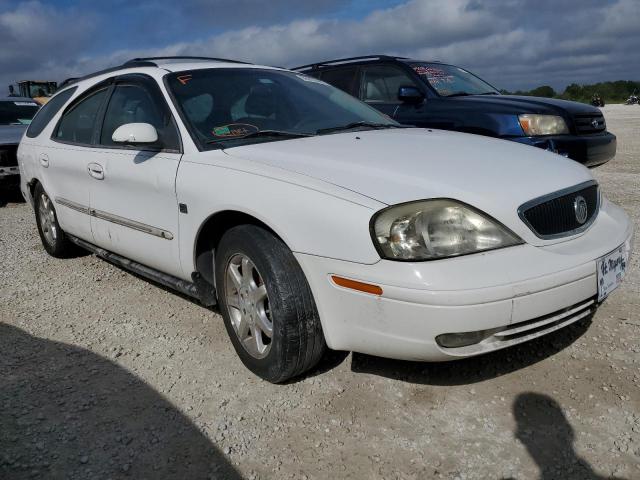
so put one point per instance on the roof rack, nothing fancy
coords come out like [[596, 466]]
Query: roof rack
[[143, 62], [129, 64], [313, 66], [181, 57]]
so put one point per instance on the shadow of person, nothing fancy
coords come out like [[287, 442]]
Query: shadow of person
[[66, 412], [548, 437], [475, 369]]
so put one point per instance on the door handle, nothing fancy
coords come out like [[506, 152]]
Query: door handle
[[44, 160], [96, 171]]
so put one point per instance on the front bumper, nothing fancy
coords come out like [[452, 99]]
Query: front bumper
[[590, 150], [502, 289]]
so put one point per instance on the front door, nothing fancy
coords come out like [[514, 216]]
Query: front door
[[134, 207]]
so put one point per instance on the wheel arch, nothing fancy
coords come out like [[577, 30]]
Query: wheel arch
[[211, 231], [31, 188]]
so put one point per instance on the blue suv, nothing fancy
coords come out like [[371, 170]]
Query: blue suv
[[439, 95]]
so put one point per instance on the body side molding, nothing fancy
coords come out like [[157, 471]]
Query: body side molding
[[125, 222]]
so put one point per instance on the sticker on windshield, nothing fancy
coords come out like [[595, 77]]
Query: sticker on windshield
[[184, 79], [234, 130], [433, 74], [25, 104]]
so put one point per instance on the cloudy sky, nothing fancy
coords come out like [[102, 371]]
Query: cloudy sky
[[512, 43]]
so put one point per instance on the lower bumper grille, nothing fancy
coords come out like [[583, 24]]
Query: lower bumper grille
[[546, 323], [473, 343]]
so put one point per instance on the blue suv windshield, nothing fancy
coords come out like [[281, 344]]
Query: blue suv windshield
[[228, 107], [451, 81]]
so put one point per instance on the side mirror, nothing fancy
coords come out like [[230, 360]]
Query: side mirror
[[135, 133], [410, 95]]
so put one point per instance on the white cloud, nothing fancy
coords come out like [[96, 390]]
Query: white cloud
[[513, 43]]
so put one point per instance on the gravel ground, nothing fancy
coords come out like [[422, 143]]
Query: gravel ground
[[104, 375]]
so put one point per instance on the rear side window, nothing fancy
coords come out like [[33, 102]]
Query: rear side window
[[342, 78], [135, 104], [77, 124], [48, 111]]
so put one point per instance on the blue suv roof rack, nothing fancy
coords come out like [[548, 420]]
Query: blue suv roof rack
[[340, 61]]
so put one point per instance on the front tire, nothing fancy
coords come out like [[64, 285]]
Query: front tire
[[267, 305], [53, 238]]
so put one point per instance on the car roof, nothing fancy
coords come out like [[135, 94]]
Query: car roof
[[170, 64], [7, 98]]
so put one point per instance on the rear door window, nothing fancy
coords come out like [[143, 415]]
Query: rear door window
[[78, 123]]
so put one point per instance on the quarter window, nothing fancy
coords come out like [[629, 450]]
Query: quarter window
[[135, 104], [48, 111], [78, 123], [380, 83]]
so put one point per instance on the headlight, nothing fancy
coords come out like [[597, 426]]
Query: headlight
[[536, 125], [432, 229]]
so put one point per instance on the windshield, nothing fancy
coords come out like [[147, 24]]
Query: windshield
[[226, 107], [448, 80], [17, 113]]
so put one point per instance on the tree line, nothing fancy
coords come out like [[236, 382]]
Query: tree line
[[611, 92]]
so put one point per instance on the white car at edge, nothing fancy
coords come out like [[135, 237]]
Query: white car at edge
[[313, 220]]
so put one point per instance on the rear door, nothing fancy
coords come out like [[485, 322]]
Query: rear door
[[64, 161], [134, 205]]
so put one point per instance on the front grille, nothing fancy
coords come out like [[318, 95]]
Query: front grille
[[589, 123], [8, 156], [559, 214]]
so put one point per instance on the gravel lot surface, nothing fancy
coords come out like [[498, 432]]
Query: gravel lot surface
[[105, 375]]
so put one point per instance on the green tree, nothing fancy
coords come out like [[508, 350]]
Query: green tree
[[544, 91]]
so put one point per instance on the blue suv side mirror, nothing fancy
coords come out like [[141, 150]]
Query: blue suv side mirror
[[410, 95]]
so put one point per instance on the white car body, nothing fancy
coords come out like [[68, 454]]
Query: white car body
[[319, 195]]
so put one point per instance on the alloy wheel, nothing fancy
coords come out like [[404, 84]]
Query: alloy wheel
[[248, 305], [48, 222]]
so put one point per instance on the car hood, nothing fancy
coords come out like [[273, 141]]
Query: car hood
[[11, 134], [396, 166], [516, 104]]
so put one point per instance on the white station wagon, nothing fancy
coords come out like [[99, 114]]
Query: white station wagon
[[313, 220]]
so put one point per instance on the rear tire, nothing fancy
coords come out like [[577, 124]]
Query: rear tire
[[53, 238], [267, 305]]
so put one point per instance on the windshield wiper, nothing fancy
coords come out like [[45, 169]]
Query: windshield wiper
[[488, 93], [349, 126], [263, 133]]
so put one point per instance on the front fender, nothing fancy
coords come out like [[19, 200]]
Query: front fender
[[308, 220]]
